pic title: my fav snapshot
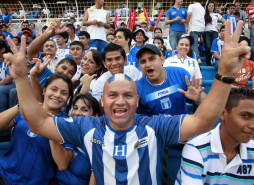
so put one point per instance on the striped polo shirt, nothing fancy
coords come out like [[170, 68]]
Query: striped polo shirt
[[204, 162]]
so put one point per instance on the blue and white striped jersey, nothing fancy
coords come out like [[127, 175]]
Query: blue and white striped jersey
[[217, 45], [204, 162], [131, 156]]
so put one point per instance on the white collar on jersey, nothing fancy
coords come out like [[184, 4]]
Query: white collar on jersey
[[216, 146]]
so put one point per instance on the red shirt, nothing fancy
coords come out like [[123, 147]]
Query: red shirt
[[243, 76], [249, 7]]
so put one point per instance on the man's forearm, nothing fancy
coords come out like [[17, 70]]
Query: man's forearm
[[87, 23], [188, 20], [31, 111], [35, 47], [6, 80]]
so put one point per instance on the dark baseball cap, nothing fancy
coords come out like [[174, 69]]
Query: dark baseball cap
[[149, 47]]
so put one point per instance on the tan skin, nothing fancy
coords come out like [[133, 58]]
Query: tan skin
[[206, 115], [237, 126]]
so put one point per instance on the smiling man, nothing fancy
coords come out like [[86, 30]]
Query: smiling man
[[123, 147], [224, 155], [114, 59]]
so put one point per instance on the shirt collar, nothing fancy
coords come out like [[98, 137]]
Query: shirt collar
[[216, 146]]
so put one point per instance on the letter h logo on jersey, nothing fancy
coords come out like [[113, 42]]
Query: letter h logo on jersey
[[119, 151], [165, 103]]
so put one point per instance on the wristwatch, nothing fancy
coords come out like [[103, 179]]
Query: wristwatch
[[225, 79]]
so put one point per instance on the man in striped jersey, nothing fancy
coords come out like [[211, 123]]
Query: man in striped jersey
[[123, 147], [226, 154]]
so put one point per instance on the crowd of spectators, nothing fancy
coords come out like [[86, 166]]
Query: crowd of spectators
[[98, 67]]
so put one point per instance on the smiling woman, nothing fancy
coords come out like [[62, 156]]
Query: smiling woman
[[37, 153]]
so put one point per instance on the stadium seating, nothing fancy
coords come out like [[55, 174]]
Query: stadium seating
[[208, 72]]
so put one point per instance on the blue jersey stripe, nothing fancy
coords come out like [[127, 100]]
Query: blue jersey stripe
[[191, 175], [193, 162], [211, 157]]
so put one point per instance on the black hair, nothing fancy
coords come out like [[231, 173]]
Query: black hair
[[157, 29], [236, 13], [92, 104], [2, 35], [208, 18], [5, 25], [237, 94], [110, 34], [98, 60], [231, 5], [112, 26], [77, 43], [72, 18], [66, 79], [113, 47], [84, 33], [127, 34], [71, 26], [5, 9], [64, 35], [144, 23], [16, 37], [25, 22], [70, 61], [190, 53], [4, 45], [222, 27], [31, 23], [44, 27], [135, 27], [163, 49], [242, 38]]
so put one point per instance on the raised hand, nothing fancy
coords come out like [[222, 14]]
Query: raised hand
[[233, 54], [39, 66], [53, 29], [17, 61], [86, 79], [193, 92]]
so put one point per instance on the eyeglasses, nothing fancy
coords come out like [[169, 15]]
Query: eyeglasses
[[119, 37], [59, 37], [157, 32], [110, 39]]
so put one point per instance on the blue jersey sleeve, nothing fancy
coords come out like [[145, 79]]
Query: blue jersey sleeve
[[167, 129], [168, 14], [16, 119], [225, 17], [214, 47]]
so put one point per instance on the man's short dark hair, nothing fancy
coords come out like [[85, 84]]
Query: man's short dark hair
[[112, 26], [44, 27], [64, 35], [236, 13], [25, 22], [71, 26], [231, 5], [77, 43], [16, 37], [144, 23], [113, 47], [222, 27], [237, 94], [84, 33], [127, 34], [158, 29]]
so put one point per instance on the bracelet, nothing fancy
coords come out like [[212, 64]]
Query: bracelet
[[225, 79], [18, 105]]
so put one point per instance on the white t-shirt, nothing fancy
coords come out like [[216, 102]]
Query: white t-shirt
[[197, 21], [53, 63], [215, 18], [46, 11], [189, 64], [129, 70]]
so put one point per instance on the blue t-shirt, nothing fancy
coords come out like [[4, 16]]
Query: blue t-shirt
[[4, 70], [28, 159], [217, 45], [32, 15], [122, 157], [78, 171], [6, 18], [232, 19], [164, 98], [167, 54], [172, 13], [7, 34], [133, 51], [111, 12]]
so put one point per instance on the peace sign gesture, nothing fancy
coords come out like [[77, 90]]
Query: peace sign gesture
[[17, 60], [53, 29], [233, 54]]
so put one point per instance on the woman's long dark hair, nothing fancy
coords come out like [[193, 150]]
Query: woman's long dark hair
[[66, 79], [92, 103], [4, 45], [98, 60], [163, 49], [208, 18]]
